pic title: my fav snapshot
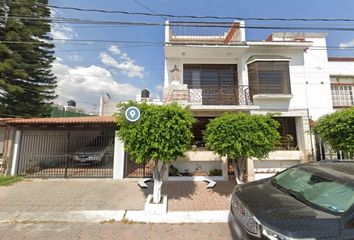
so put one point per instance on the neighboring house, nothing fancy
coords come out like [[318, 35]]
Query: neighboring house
[[341, 72], [70, 110], [47, 147], [287, 73], [108, 106]]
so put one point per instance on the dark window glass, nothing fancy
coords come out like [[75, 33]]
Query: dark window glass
[[287, 131], [267, 77], [197, 129], [218, 83]]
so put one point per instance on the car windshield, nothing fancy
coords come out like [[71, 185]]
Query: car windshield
[[316, 188]]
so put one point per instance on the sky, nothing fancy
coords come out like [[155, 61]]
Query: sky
[[87, 70]]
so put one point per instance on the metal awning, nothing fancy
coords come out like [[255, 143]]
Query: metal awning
[[255, 58]]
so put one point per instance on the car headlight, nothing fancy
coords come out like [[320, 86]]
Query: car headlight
[[273, 235]]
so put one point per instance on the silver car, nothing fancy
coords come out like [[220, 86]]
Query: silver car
[[96, 151]]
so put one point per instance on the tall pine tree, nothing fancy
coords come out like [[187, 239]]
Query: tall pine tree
[[26, 82]]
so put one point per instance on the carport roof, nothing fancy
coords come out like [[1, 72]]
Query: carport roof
[[60, 120]]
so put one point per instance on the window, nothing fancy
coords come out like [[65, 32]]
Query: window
[[287, 131], [218, 83], [342, 91], [197, 129], [269, 77]]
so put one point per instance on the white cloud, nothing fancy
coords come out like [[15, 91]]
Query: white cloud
[[114, 49], [347, 44], [159, 87], [87, 84], [123, 63], [75, 58], [61, 31]]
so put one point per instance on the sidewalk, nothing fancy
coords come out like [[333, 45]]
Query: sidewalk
[[97, 200]]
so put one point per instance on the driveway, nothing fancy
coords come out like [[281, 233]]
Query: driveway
[[71, 195]]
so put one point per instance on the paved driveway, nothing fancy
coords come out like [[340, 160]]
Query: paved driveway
[[71, 195], [107, 194]]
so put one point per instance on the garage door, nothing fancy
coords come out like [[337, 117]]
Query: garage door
[[62, 154]]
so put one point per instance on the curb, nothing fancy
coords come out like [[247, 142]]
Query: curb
[[70, 216], [94, 216], [179, 217]]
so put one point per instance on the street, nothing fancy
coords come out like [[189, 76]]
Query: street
[[112, 230]]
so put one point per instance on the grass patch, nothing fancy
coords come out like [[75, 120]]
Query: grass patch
[[126, 221], [8, 180], [110, 221]]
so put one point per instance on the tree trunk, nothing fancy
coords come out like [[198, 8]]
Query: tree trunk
[[239, 168], [158, 173]]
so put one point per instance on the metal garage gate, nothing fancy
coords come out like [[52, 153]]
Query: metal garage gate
[[63, 154]]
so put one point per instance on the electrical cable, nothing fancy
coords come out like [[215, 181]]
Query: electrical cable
[[192, 16]]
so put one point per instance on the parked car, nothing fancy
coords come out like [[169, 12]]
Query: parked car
[[308, 201], [95, 151]]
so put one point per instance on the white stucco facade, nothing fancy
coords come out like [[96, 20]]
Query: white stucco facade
[[310, 72]]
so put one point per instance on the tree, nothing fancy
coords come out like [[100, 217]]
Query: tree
[[26, 81], [337, 130], [239, 136], [162, 134]]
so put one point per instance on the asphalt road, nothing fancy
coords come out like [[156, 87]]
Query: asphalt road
[[113, 230]]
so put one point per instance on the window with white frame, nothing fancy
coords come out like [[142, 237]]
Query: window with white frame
[[342, 91]]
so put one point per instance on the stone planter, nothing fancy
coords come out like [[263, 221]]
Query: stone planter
[[156, 209]]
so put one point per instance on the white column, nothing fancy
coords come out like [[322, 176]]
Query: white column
[[101, 106], [167, 31], [16, 153], [118, 160]]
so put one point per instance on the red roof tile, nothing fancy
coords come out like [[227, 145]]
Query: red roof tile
[[341, 59], [62, 120]]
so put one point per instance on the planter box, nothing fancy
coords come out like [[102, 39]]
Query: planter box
[[197, 178], [200, 156], [156, 209]]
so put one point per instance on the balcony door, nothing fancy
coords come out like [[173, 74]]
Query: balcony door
[[217, 82]]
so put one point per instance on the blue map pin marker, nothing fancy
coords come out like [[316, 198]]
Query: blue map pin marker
[[132, 114]]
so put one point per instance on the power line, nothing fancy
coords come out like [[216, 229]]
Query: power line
[[149, 9], [227, 25], [157, 44], [154, 14]]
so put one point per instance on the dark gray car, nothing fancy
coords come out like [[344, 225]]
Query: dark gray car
[[308, 201]]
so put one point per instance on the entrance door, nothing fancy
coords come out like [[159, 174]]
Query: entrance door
[[134, 170]]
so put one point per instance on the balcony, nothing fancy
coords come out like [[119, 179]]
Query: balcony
[[208, 95], [206, 33]]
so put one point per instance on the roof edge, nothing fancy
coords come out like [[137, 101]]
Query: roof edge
[[341, 59], [60, 120]]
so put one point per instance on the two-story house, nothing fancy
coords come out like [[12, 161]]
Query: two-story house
[[287, 73]]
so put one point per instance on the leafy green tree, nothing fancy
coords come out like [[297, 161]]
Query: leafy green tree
[[239, 136], [162, 134], [337, 130], [26, 81]]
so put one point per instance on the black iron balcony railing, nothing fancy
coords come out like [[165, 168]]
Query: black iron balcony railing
[[215, 95]]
